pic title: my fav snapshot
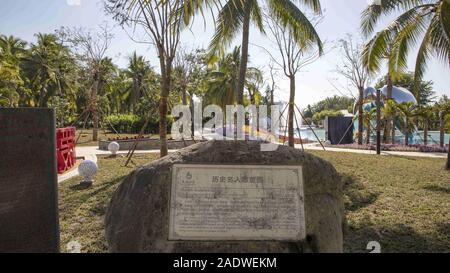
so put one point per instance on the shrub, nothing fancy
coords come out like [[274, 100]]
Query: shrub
[[132, 124]]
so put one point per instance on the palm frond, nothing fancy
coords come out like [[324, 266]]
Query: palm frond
[[372, 14], [291, 16], [228, 24]]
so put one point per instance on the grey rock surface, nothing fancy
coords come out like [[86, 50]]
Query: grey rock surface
[[137, 219]]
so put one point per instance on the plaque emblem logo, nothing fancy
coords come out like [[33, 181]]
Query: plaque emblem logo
[[188, 176]]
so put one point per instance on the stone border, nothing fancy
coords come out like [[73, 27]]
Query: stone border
[[146, 144]]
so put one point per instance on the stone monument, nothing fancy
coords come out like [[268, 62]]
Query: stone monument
[[228, 196], [28, 181]]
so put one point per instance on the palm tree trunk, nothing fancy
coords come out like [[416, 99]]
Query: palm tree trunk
[[166, 71], [191, 107], [406, 132], [425, 132], [165, 89], [393, 130], [244, 57], [448, 156], [368, 133], [441, 129], [360, 116], [184, 91], [94, 109], [387, 128], [291, 110]]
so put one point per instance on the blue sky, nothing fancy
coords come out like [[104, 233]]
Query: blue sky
[[24, 18]]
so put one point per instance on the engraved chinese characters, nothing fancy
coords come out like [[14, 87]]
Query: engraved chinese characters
[[236, 202]]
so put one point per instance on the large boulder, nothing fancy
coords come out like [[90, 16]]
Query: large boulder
[[137, 219]]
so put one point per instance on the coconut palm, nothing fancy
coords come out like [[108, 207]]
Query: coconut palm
[[406, 110], [49, 69], [425, 114], [12, 51], [138, 69], [368, 117], [430, 18], [390, 113], [236, 16], [222, 82]]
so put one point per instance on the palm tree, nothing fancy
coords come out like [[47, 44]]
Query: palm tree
[[448, 156], [49, 69], [429, 18], [237, 15], [138, 69], [101, 83], [12, 51], [425, 114], [390, 113], [368, 117], [406, 110], [442, 108], [222, 80], [120, 92]]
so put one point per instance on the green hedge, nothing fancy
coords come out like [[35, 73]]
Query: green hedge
[[132, 124]]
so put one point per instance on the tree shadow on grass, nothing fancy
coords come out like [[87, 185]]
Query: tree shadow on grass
[[80, 187], [437, 189], [98, 195], [356, 195], [410, 158], [394, 239], [444, 228]]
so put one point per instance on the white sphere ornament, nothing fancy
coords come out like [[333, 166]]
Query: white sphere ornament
[[113, 147], [87, 169]]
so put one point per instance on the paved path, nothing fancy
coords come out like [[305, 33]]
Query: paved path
[[391, 153], [91, 152]]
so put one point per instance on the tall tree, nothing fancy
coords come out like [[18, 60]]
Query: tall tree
[[162, 21], [91, 49], [354, 70], [294, 54]]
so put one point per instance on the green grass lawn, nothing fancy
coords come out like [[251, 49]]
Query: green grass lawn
[[401, 202]]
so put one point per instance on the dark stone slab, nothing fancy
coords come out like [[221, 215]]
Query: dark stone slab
[[137, 219], [28, 181]]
